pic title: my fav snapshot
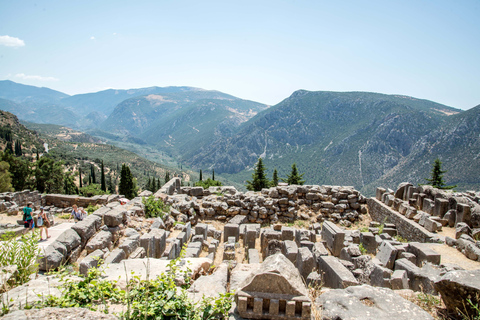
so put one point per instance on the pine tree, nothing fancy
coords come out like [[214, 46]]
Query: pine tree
[[275, 178], [213, 174], [89, 179], [158, 184], [38, 156], [103, 184], [259, 179], [294, 177], [92, 173], [201, 177], [436, 179], [167, 176], [80, 176]]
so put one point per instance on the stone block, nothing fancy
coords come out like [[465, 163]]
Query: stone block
[[115, 256], [379, 193], [455, 286], [201, 229], [90, 261], [139, 253], [129, 245], [70, 239], [463, 213], [253, 256], [147, 242], [319, 250], [334, 237], [85, 229], [250, 236], [419, 279], [399, 280], [193, 250], [50, 259], [238, 219], [101, 240], [380, 275], [305, 262], [115, 217], [423, 253], [428, 205], [441, 207], [288, 233], [367, 239], [231, 230], [182, 237], [334, 273]]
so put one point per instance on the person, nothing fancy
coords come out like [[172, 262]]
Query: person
[[77, 215], [43, 223], [27, 216]]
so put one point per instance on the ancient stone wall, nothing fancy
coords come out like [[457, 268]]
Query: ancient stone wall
[[65, 201], [285, 203], [407, 229]]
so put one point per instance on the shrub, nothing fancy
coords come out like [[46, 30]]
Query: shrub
[[363, 250], [21, 253], [154, 208], [91, 190], [208, 183]]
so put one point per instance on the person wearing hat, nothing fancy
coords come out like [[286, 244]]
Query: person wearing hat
[[43, 223]]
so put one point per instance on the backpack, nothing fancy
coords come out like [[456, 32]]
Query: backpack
[[24, 214]]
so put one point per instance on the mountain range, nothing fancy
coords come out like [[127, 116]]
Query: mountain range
[[345, 138]]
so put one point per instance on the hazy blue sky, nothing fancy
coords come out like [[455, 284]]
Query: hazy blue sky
[[258, 50]]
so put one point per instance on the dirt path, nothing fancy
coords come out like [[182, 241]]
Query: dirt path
[[452, 255]]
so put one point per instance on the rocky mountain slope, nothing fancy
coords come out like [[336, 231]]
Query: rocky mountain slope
[[349, 138], [180, 123]]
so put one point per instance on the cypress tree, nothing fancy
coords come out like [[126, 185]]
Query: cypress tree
[[18, 148], [154, 186], [201, 177], [127, 185], [149, 185], [92, 173], [80, 175], [275, 178], [167, 176], [102, 179], [213, 174], [9, 147], [158, 184]]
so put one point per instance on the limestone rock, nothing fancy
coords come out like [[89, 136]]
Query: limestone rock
[[365, 303], [459, 283]]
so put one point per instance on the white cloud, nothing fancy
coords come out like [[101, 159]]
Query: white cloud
[[114, 33], [92, 38], [11, 41], [38, 78]]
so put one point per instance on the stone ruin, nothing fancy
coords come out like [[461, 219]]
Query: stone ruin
[[268, 266], [274, 291]]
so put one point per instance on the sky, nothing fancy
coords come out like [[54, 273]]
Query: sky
[[260, 50]]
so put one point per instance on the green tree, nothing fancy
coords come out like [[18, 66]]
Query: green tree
[[111, 185], [9, 147], [103, 183], [80, 175], [127, 185], [275, 178], [49, 175], [436, 179], [158, 184], [69, 186], [294, 177], [201, 176], [18, 148], [167, 176], [21, 171], [153, 186], [213, 174], [5, 177], [259, 179], [92, 173]]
